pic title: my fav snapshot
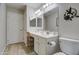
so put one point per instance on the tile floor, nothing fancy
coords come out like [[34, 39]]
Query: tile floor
[[18, 49]]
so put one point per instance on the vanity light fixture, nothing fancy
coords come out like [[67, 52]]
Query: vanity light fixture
[[46, 5], [37, 11], [70, 13]]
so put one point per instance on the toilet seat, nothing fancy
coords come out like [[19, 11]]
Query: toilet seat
[[59, 53]]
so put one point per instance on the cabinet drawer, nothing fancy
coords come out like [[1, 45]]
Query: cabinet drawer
[[42, 49], [36, 47], [42, 46], [36, 39]]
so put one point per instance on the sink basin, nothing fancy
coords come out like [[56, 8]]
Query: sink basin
[[49, 33], [45, 34]]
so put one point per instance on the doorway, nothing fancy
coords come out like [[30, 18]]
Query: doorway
[[15, 25]]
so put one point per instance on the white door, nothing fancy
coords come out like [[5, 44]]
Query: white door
[[14, 26]]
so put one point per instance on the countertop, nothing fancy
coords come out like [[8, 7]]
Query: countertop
[[44, 34]]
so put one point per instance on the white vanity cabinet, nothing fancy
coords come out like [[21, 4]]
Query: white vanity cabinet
[[41, 46]]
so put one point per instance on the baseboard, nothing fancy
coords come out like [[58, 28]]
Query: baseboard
[[15, 42]]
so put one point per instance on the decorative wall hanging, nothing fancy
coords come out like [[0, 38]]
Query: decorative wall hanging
[[70, 13]]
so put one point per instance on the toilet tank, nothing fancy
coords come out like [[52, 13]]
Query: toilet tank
[[69, 46]]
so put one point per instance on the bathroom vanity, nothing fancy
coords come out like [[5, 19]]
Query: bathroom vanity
[[45, 44]]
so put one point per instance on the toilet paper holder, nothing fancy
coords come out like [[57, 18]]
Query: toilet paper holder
[[49, 43], [52, 43]]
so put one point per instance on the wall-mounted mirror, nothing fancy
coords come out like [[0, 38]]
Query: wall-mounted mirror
[[33, 22], [51, 20], [36, 22], [39, 22]]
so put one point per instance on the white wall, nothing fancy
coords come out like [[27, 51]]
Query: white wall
[[68, 29], [2, 28], [50, 22], [30, 12]]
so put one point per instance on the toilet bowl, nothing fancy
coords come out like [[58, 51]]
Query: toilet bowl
[[59, 53], [68, 46]]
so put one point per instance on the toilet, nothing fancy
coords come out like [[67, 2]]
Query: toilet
[[68, 46]]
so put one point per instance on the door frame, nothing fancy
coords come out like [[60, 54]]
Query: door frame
[[7, 25]]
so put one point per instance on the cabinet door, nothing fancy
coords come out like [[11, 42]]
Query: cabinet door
[[52, 49], [36, 44], [42, 46]]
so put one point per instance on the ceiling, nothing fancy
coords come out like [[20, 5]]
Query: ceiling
[[22, 5], [35, 5]]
